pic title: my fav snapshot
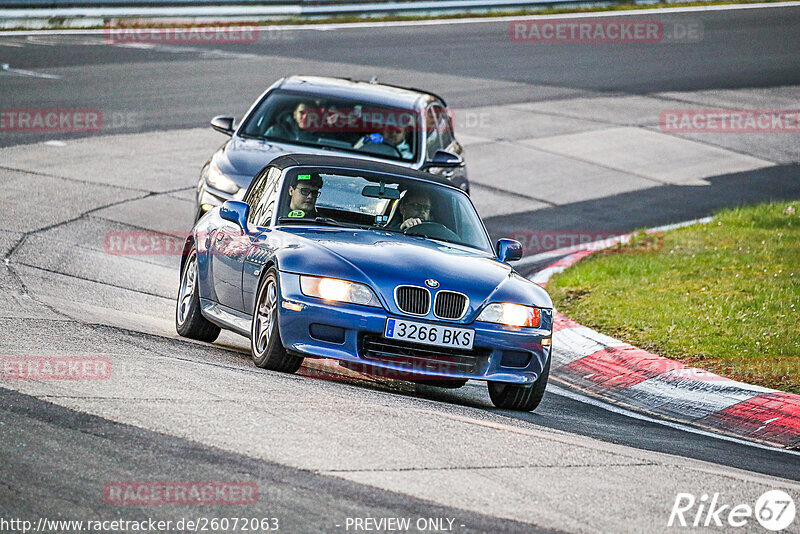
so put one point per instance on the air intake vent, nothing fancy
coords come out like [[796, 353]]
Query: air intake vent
[[421, 358], [413, 300], [450, 305]]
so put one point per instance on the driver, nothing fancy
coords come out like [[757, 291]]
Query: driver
[[303, 194], [299, 126], [394, 136], [415, 208]]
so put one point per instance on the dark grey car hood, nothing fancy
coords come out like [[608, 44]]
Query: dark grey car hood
[[241, 158]]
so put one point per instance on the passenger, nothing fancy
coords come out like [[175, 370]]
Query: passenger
[[303, 194]]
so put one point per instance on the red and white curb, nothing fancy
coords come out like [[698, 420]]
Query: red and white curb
[[625, 375]]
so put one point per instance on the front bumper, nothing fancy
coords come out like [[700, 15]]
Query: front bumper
[[346, 332]]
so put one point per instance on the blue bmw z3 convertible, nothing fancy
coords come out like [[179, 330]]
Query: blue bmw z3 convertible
[[385, 269]]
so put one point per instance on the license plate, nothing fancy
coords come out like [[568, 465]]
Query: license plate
[[427, 334]]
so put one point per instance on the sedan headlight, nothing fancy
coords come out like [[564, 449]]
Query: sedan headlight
[[219, 181], [511, 314], [338, 290]]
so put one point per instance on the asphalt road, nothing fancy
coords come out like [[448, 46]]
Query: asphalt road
[[323, 450], [474, 65]]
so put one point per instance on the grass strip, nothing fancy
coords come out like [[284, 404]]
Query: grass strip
[[723, 296]]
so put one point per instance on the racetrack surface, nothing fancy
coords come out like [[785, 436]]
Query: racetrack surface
[[323, 449]]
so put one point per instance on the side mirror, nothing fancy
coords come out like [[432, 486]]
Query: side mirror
[[236, 211], [223, 124], [509, 250], [443, 159]]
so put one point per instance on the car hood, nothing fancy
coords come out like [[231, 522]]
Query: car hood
[[241, 158], [385, 260]]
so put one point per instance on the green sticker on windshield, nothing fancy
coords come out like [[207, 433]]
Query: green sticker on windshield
[[297, 213], [304, 177]]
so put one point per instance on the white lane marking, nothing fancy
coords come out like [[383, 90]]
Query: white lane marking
[[574, 343], [12, 44], [671, 424], [138, 46], [205, 53], [42, 40], [5, 67], [439, 22], [55, 143], [690, 397]]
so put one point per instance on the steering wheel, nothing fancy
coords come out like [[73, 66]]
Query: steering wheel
[[394, 148], [381, 149], [432, 229]]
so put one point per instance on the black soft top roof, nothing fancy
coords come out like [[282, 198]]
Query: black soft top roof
[[316, 160]]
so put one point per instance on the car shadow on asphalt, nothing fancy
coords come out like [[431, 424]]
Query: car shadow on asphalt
[[667, 204]]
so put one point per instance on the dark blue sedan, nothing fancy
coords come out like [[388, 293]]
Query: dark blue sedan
[[319, 115], [381, 267]]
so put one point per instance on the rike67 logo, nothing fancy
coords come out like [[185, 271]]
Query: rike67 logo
[[774, 511]]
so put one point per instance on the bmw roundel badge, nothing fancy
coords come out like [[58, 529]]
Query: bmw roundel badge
[[430, 282]]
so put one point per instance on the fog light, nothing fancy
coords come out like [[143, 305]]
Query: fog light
[[323, 332]]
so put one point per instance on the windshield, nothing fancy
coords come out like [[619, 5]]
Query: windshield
[[361, 199], [349, 125]]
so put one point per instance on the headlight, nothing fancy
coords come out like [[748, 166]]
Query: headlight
[[511, 314], [219, 181], [338, 290]]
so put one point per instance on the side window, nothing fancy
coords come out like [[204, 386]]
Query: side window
[[254, 194], [432, 139], [263, 196], [445, 127]]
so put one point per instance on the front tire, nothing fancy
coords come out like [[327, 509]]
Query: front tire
[[265, 340], [524, 398], [189, 321]]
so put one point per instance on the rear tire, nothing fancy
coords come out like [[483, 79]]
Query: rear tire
[[519, 397], [189, 321], [266, 347]]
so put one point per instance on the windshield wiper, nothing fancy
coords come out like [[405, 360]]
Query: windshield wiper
[[317, 220], [387, 229]]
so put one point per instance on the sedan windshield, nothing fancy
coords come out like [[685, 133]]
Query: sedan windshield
[[349, 125], [387, 202]]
